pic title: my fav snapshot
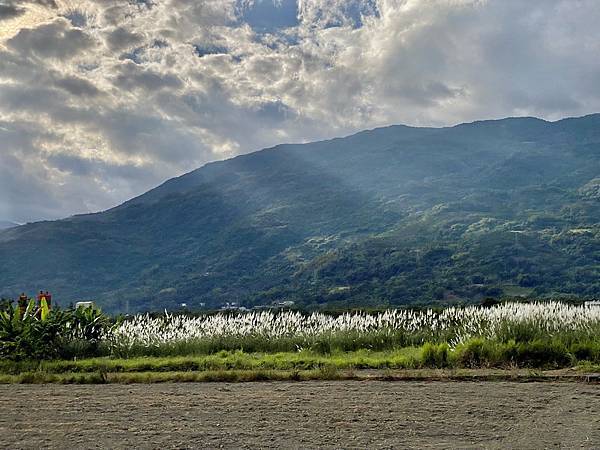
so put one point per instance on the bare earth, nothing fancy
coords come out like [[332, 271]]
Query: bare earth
[[337, 414]]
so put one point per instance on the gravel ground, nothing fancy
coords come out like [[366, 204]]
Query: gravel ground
[[338, 414]]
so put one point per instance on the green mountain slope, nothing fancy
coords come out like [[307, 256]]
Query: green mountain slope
[[389, 216]]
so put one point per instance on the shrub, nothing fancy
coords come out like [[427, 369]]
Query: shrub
[[53, 334], [435, 355], [477, 353], [544, 353]]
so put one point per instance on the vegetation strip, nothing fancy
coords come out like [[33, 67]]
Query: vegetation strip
[[237, 376], [535, 336]]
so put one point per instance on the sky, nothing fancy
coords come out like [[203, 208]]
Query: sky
[[101, 100]]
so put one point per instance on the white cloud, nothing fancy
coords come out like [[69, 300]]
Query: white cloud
[[100, 101]]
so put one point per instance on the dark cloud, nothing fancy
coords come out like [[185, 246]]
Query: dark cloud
[[48, 3], [96, 167], [26, 195], [121, 38], [10, 11], [77, 86], [275, 111], [53, 40], [43, 100], [28, 177], [132, 76]]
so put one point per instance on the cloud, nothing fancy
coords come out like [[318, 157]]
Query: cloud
[[131, 77], [100, 101], [78, 87], [334, 13], [53, 40], [48, 3], [10, 11], [121, 38]]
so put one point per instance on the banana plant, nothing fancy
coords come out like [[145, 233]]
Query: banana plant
[[44, 333], [45, 311]]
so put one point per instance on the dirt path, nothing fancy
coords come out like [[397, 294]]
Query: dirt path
[[346, 414]]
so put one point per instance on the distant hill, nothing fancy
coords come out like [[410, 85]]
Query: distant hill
[[4, 224], [396, 215]]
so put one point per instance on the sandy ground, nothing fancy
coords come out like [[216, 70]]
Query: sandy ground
[[342, 414]]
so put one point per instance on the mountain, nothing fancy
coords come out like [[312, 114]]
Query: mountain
[[5, 224], [395, 215]]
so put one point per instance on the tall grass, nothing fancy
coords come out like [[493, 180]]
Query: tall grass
[[507, 335], [574, 328]]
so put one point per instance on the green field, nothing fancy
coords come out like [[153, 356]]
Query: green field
[[477, 360], [84, 346]]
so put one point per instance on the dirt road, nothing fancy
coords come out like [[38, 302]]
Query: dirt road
[[346, 414]]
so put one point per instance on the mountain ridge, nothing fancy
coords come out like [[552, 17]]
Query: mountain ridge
[[348, 220]]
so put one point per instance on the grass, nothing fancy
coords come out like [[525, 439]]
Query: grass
[[224, 361], [475, 354], [324, 373], [232, 376], [349, 341]]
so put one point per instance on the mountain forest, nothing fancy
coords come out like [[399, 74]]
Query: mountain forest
[[386, 217]]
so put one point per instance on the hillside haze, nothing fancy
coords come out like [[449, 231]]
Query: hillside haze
[[392, 216], [5, 224]]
